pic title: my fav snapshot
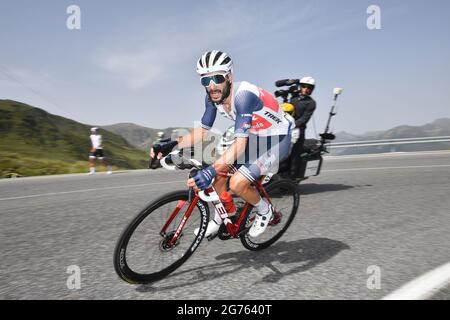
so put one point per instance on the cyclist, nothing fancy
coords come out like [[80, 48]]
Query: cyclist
[[304, 108], [260, 124], [97, 152]]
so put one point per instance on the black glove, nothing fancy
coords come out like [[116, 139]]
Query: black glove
[[164, 146]]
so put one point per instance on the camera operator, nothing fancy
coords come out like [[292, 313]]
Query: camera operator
[[304, 108]]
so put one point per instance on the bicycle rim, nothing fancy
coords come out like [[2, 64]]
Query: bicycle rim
[[285, 200], [143, 255]]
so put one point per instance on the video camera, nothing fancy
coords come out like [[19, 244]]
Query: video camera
[[292, 90]]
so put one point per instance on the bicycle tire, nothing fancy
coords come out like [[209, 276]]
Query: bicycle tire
[[284, 184], [120, 253]]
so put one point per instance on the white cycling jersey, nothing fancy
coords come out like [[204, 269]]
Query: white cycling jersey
[[253, 110], [96, 140]]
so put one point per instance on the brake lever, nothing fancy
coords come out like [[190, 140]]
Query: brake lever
[[192, 173], [191, 194]]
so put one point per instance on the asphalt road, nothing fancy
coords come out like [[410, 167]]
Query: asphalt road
[[387, 213]]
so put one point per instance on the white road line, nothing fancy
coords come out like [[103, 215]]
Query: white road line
[[88, 190], [387, 168], [423, 287], [80, 175]]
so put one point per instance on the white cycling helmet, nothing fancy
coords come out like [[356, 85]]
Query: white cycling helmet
[[214, 61], [94, 129], [308, 80]]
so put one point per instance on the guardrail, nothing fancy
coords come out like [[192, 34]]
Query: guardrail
[[385, 142]]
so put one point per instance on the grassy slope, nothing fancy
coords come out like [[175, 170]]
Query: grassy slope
[[35, 142]]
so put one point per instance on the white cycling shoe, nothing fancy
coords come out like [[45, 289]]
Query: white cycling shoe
[[211, 230], [260, 224]]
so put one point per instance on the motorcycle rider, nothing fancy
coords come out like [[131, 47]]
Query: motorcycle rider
[[304, 106]]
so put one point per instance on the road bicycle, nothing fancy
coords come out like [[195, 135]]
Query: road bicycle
[[161, 237]]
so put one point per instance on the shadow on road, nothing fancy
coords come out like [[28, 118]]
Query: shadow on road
[[283, 259], [311, 188]]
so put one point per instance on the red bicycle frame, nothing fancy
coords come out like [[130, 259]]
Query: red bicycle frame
[[232, 228]]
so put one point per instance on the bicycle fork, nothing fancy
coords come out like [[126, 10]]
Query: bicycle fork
[[186, 216]]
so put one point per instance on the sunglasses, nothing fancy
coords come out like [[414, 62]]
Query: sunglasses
[[306, 86], [217, 79]]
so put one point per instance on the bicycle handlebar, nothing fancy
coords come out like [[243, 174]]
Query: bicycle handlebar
[[165, 165], [179, 161]]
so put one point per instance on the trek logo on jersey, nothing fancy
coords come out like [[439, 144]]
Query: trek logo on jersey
[[272, 116]]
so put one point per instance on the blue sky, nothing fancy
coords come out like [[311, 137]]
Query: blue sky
[[134, 61]]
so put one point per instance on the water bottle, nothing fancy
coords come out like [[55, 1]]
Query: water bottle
[[227, 201]]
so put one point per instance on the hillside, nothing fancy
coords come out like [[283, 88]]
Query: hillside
[[138, 136], [35, 142], [143, 138], [440, 127]]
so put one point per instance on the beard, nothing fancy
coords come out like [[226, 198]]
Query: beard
[[216, 95]]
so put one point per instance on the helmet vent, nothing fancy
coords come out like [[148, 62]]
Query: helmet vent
[[218, 55], [227, 59], [208, 55]]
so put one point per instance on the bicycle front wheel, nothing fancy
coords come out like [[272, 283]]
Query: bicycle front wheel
[[285, 199], [144, 253]]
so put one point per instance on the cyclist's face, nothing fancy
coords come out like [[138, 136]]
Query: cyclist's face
[[216, 90]]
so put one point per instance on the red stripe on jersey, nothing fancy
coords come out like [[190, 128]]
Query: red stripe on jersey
[[268, 100]]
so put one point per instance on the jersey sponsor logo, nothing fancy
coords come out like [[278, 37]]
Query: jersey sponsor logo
[[259, 123], [272, 116]]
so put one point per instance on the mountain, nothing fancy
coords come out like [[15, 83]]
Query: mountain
[[35, 142], [139, 136], [440, 127], [143, 137]]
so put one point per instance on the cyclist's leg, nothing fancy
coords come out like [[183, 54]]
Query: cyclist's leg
[[241, 186], [270, 151], [220, 184], [92, 158]]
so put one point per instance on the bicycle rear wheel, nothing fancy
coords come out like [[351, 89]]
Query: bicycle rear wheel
[[285, 199], [143, 254]]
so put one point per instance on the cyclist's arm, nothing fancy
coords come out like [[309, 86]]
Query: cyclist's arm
[[246, 102], [92, 144], [199, 134], [196, 135], [231, 154], [301, 122]]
